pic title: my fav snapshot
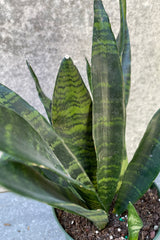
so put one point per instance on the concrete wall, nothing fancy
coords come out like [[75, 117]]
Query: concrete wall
[[45, 31]]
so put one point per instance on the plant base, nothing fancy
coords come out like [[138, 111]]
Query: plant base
[[148, 208]]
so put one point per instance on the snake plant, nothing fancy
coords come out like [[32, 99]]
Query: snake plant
[[76, 160]]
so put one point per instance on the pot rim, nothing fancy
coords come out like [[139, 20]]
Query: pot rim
[[68, 237]]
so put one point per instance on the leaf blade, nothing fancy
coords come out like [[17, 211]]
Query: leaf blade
[[143, 168], [72, 115], [26, 181], [108, 105], [123, 43], [134, 222], [20, 140], [47, 103], [14, 102], [88, 68]]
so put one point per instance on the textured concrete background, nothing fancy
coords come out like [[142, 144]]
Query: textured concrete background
[[45, 31]]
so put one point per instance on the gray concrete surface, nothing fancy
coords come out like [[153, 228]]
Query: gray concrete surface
[[25, 219]]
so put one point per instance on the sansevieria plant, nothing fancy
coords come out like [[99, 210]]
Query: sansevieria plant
[[76, 160]]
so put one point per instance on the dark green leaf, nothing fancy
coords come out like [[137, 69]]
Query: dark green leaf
[[121, 37], [26, 181], [123, 43], [108, 105], [20, 140], [72, 116], [143, 168], [88, 67], [134, 222], [47, 103], [12, 101]]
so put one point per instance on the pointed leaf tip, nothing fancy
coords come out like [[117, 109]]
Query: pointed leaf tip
[[134, 222], [67, 57]]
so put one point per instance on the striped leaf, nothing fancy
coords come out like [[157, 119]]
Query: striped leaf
[[72, 115], [13, 101], [20, 140], [121, 35], [47, 103], [143, 168], [26, 181], [134, 222], [108, 105], [88, 68], [123, 43]]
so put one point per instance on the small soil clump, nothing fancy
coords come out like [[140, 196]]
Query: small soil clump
[[148, 208]]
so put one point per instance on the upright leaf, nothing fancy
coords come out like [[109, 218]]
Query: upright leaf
[[126, 65], [134, 222], [143, 168], [108, 105], [88, 68], [13, 101], [123, 43], [25, 180], [121, 36], [72, 115], [47, 103]]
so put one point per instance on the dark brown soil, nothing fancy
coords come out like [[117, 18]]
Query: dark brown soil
[[148, 208]]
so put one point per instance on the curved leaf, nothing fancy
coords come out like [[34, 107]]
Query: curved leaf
[[108, 105], [13, 101], [20, 140], [72, 115], [143, 168], [26, 181], [47, 103], [134, 222]]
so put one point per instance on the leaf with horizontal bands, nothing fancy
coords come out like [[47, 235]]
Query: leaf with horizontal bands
[[143, 168], [26, 181], [20, 140], [123, 43], [72, 116], [13, 101], [108, 105]]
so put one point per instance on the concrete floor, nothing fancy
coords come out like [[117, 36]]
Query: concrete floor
[[26, 219]]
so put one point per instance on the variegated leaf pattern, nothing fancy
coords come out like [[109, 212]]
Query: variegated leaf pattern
[[123, 43], [121, 35], [134, 222], [21, 141], [143, 168], [126, 65], [72, 115], [108, 105], [26, 181], [47, 103], [13, 101]]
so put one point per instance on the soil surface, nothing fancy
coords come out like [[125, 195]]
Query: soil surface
[[148, 208]]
